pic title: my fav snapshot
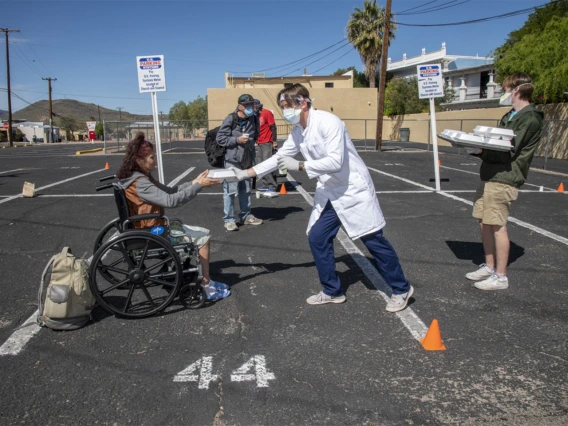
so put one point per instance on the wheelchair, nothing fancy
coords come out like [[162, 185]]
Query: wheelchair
[[136, 273]]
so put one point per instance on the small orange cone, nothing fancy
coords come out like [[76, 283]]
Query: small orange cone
[[439, 163], [283, 189], [107, 166], [433, 339], [561, 187]]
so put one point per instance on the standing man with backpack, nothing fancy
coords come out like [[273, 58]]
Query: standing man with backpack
[[237, 135], [266, 144]]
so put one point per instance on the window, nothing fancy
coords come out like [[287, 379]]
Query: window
[[286, 85], [329, 85]]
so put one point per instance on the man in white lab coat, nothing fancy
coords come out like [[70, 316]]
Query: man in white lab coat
[[345, 195]]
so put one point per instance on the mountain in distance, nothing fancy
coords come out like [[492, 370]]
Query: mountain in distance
[[3, 112], [73, 109]]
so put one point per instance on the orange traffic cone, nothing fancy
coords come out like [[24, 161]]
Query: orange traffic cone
[[283, 189], [439, 163], [561, 187], [433, 339], [107, 166]]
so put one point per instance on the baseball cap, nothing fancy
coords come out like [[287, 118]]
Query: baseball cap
[[256, 102], [245, 99]]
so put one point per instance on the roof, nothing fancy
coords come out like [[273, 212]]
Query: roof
[[463, 63]]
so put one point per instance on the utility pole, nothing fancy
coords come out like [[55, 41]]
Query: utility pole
[[6, 31], [49, 80], [382, 82], [118, 124]]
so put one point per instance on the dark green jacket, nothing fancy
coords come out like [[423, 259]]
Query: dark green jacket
[[512, 167]]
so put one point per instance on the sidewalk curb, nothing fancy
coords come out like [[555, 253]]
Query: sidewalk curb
[[88, 151]]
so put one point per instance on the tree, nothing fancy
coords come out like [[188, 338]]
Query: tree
[[365, 31], [71, 126], [99, 129], [178, 113], [359, 78], [401, 97], [543, 55], [536, 23], [197, 112]]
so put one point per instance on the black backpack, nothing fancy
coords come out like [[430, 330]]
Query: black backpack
[[216, 153]]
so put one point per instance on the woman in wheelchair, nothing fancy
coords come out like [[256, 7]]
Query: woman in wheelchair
[[145, 195]]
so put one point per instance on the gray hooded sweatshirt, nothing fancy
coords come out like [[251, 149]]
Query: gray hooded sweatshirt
[[228, 138], [159, 194]]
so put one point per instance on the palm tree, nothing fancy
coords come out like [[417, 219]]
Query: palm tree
[[365, 31]]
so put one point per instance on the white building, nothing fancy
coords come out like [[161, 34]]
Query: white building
[[37, 129], [470, 77]]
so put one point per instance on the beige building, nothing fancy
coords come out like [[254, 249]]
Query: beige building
[[355, 106]]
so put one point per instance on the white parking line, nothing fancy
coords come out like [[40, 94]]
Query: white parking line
[[408, 317], [180, 177], [527, 225], [21, 336], [474, 173], [10, 171], [13, 197]]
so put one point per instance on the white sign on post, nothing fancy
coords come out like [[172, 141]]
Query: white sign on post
[[152, 79], [151, 73], [430, 86]]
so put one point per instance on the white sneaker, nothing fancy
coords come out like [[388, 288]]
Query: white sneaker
[[399, 301], [482, 273], [321, 298], [494, 282], [231, 226]]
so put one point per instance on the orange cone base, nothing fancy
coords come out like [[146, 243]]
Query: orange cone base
[[433, 339], [283, 189], [561, 187]]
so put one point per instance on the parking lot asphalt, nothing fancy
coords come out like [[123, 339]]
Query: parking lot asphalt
[[506, 360]]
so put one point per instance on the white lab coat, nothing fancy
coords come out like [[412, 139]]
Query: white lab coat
[[342, 176]]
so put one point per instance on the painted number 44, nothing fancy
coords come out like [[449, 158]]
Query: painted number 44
[[254, 370]]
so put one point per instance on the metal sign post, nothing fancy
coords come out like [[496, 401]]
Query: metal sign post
[[430, 86], [152, 78]]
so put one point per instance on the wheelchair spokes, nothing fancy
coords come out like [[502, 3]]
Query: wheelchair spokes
[[139, 292]]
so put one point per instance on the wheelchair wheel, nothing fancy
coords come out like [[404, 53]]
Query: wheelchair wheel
[[110, 230], [192, 296], [140, 285]]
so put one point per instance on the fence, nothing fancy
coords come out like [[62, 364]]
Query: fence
[[553, 143]]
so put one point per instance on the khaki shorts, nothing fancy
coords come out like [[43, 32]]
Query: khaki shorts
[[492, 202], [186, 233]]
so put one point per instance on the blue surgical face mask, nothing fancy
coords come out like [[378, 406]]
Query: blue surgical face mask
[[249, 111], [292, 115]]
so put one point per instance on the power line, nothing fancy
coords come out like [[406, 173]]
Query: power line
[[437, 8], [332, 62], [317, 60], [26, 60], [475, 21], [293, 62], [92, 96], [415, 7]]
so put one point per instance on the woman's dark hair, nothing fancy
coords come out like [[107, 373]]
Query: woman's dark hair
[[139, 147]]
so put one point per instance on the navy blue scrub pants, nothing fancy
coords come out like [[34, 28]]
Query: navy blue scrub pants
[[321, 239]]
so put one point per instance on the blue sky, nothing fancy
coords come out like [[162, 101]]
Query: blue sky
[[91, 46]]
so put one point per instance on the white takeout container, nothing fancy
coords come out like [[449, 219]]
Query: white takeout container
[[494, 133], [461, 139], [223, 174]]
